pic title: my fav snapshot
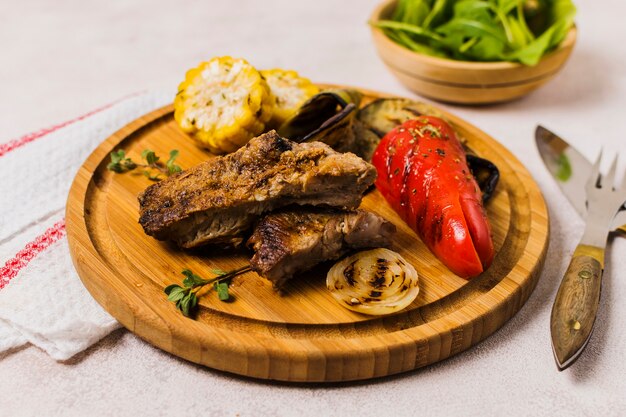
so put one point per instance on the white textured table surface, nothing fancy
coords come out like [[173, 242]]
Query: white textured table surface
[[63, 58]]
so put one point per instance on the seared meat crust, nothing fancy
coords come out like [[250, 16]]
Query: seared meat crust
[[295, 240], [218, 200]]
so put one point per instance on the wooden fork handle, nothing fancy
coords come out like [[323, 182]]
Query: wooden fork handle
[[576, 304]]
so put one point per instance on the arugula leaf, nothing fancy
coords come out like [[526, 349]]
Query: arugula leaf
[[436, 13], [532, 53], [518, 35], [416, 12], [417, 47], [506, 6], [521, 20], [472, 28], [489, 49], [416, 30], [562, 12]]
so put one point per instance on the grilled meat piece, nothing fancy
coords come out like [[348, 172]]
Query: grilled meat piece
[[292, 241], [218, 200]]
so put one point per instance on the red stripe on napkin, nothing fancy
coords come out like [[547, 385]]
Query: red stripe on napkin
[[16, 143], [32, 249]]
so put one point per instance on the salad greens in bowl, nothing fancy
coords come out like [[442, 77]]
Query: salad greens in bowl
[[480, 30], [474, 51]]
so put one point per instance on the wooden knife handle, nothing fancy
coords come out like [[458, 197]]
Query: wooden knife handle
[[576, 304]]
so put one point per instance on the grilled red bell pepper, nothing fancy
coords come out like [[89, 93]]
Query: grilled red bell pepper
[[423, 174]]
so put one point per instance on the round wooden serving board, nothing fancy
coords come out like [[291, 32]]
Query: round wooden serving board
[[303, 334]]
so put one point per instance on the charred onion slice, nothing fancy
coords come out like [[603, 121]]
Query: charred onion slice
[[290, 90], [375, 282], [223, 103]]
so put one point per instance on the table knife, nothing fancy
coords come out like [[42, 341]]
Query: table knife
[[570, 169], [576, 304]]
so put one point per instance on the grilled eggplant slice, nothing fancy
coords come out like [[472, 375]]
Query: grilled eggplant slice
[[326, 117], [382, 115], [486, 173]]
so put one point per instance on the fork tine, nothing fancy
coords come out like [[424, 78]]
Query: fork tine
[[592, 181], [608, 181]]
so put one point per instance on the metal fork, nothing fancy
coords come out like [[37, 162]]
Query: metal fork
[[576, 304]]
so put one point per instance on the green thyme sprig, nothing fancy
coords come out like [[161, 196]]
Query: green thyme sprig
[[186, 297], [120, 164]]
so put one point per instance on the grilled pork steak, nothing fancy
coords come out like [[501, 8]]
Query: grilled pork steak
[[218, 200], [292, 241]]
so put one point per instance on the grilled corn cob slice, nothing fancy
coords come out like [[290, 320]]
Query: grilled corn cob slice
[[223, 103], [290, 91]]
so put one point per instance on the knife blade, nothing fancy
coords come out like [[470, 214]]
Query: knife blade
[[570, 169], [575, 307]]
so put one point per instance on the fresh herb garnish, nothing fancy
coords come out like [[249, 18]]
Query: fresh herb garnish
[[119, 163], [186, 297], [222, 290], [154, 169], [480, 30], [172, 168]]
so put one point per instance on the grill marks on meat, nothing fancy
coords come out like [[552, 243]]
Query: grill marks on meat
[[292, 241], [218, 200]]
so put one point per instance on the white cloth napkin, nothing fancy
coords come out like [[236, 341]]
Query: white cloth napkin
[[42, 300]]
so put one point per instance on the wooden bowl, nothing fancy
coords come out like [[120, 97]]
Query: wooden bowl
[[465, 82]]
